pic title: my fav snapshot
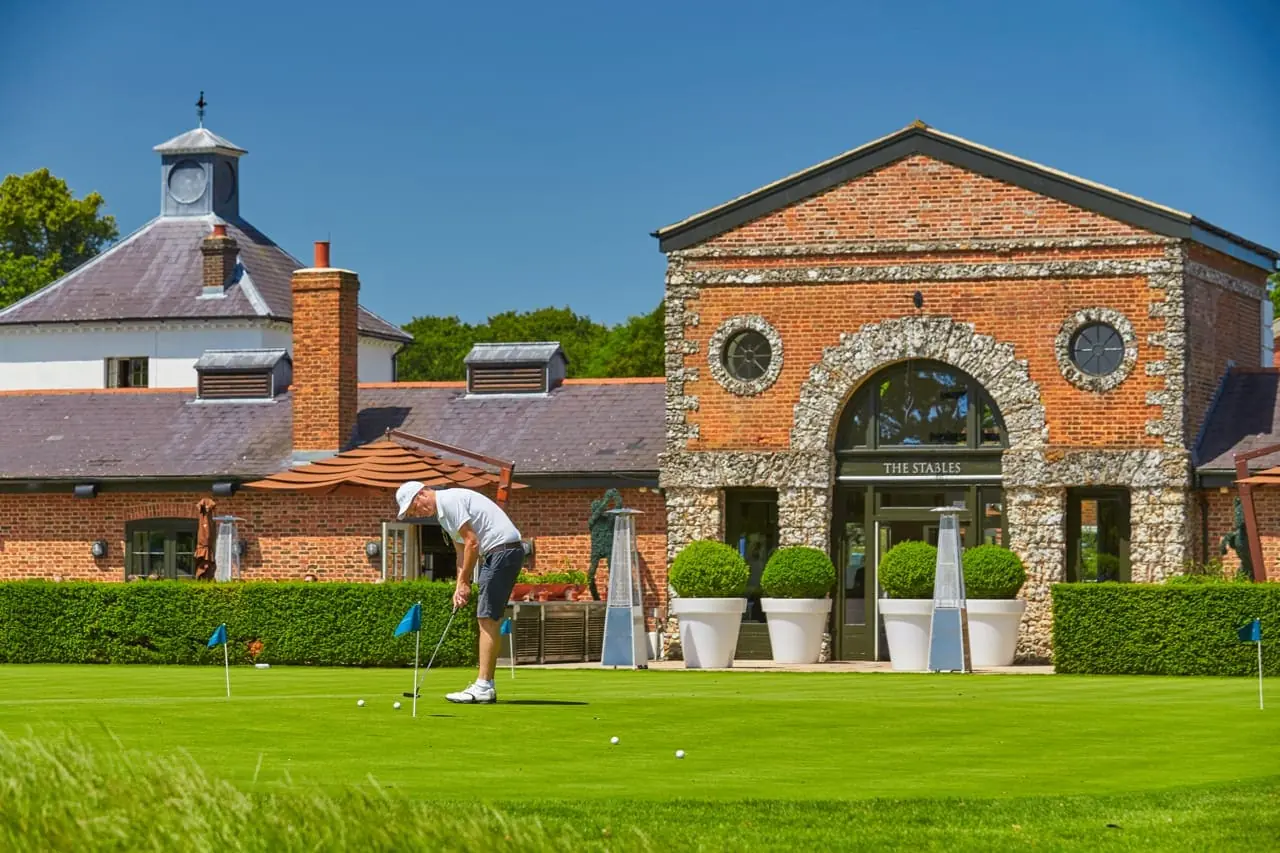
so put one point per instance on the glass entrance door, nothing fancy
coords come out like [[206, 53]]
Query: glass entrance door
[[855, 615]]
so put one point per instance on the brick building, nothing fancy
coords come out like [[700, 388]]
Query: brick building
[[196, 356], [923, 321]]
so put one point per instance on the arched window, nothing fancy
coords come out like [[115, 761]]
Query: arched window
[[920, 403]]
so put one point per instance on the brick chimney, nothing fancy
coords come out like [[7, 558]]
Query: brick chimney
[[325, 346], [219, 252]]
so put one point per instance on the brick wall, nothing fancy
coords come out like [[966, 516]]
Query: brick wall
[[1223, 325], [50, 535], [325, 357], [921, 198], [1027, 314], [1221, 510], [557, 521], [873, 221]]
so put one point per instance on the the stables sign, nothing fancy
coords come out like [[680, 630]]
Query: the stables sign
[[968, 467]]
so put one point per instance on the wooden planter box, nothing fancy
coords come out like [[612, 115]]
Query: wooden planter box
[[555, 632]]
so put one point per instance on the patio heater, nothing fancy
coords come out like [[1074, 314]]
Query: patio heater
[[625, 641], [226, 554], [949, 625]]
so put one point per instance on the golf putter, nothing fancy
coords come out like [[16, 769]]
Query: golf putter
[[417, 688]]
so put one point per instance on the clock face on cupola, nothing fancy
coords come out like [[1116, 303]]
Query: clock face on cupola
[[199, 173]]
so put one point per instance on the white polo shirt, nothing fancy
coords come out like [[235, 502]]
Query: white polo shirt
[[456, 507]]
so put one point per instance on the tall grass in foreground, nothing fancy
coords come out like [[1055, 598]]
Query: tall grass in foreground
[[63, 795]]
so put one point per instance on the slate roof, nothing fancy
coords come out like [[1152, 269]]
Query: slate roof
[[156, 273], [1245, 416], [577, 428], [919, 138], [143, 433]]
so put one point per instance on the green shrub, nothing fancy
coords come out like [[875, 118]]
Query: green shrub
[[798, 572], [707, 569], [992, 572], [906, 571], [1161, 629], [325, 624]]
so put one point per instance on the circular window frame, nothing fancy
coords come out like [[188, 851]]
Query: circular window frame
[[719, 342], [1076, 323]]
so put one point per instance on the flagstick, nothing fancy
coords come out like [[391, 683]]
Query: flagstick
[[226, 665], [1260, 708], [417, 644]]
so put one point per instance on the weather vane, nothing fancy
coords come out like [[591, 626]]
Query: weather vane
[[200, 105]]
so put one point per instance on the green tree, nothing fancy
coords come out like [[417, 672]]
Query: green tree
[[439, 345], [633, 348], [1273, 281], [579, 336], [45, 232]]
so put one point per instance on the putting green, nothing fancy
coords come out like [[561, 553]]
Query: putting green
[[778, 736]]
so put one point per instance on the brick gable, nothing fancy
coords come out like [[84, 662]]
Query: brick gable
[[919, 198]]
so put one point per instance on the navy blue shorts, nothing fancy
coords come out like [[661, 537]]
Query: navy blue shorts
[[495, 580]]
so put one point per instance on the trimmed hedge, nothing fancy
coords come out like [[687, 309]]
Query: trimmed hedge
[[1158, 629], [156, 622], [708, 569], [798, 571], [992, 572], [907, 570]]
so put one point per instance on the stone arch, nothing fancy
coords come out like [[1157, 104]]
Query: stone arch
[[846, 365]]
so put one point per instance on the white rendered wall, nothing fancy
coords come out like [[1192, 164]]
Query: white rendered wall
[[74, 357]]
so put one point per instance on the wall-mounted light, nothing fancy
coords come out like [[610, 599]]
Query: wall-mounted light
[[98, 549], [225, 490], [372, 549], [86, 490], [917, 299]]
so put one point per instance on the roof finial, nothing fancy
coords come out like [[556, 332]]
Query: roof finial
[[200, 105]]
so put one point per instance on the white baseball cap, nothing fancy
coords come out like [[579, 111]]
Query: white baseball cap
[[405, 495]]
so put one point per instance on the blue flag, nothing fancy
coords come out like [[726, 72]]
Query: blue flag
[[219, 636], [1251, 633], [506, 625], [412, 620]]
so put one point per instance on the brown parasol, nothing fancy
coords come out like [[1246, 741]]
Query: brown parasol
[[204, 568], [1269, 477], [379, 467]]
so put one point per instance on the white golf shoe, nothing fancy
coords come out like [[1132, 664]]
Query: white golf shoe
[[474, 694]]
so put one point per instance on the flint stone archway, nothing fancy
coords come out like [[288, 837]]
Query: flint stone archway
[[1035, 513]]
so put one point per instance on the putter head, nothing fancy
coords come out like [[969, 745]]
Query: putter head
[[414, 695]]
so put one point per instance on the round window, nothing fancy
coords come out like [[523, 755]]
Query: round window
[[187, 181], [747, 355], [1097, 349]]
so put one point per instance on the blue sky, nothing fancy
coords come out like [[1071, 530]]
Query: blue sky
[[473, 158]]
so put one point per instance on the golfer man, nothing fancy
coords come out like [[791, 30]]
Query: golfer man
[[481, 533]]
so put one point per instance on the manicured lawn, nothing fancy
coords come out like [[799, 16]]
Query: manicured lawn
[[835, 760]]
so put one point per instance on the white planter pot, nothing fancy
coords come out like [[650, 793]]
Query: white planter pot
[[709, 630], [796, 626], [906, 626], [993, 630]]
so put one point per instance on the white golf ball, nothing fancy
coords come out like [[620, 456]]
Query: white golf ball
[[360, 702], [679, 753], [613, 740], [396, 705]]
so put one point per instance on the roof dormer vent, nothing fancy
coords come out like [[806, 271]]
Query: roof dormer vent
[[515, 368], [245, 374]]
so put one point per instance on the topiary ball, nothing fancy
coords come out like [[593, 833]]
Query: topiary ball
[[798, 572], [906, 571], [992, 572], [707, 569]]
